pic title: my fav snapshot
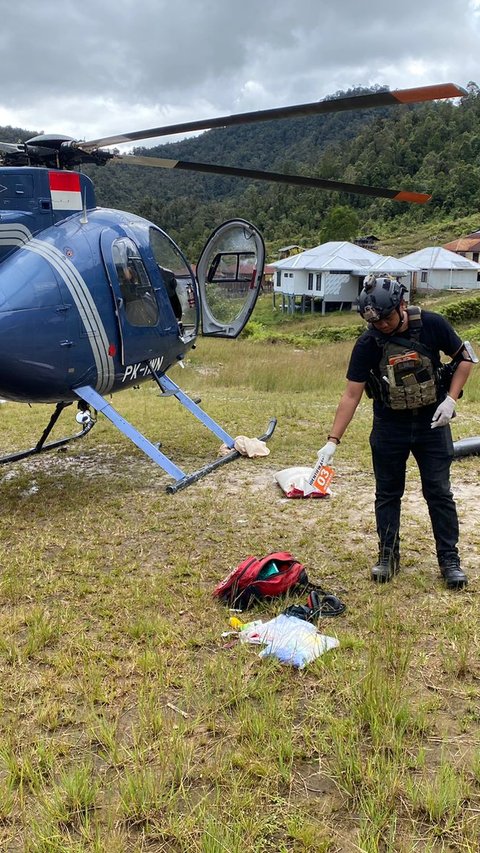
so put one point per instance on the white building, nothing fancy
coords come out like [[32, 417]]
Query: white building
[[440, 269], [332, 275]]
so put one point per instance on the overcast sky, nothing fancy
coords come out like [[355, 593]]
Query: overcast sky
[[98, 67]]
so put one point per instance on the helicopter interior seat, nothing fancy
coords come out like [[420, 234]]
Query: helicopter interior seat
[[171, 287], [141, 307], [142, 311]]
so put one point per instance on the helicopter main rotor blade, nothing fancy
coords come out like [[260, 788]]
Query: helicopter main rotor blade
[[11, 148], [275, 177], [356, 102]]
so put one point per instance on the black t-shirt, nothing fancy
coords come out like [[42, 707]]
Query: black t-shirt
[[436, 333]]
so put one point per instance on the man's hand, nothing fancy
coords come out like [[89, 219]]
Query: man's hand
[[326, 453], [444, 413]]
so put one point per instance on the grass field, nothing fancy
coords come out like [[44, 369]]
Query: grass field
[[127, 723]]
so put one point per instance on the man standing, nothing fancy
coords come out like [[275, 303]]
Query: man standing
[[397, 361]]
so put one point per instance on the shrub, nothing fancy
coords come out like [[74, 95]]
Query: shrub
[[472, 333], [461, 311]]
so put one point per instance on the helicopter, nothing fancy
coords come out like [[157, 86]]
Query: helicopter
[[94, 301]]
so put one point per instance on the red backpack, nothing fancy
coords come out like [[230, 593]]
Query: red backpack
[[254, 579]]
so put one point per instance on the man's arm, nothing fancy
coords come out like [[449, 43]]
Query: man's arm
[[459, 378], [446, 410], [346, 408]]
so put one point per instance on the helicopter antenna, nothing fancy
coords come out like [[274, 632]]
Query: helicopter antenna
[[84, 218]]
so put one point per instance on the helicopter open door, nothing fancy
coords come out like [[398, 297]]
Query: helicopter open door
[[229, 276]]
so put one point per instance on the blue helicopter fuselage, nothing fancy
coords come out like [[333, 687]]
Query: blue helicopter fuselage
[[64, 318]]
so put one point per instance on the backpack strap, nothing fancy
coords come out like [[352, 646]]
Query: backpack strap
[[414, 321], [407, 342]]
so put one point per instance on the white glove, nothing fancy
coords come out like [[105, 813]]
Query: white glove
[[326, 453], [443, 413]]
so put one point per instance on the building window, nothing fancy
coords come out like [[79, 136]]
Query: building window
[[475, 257], [423, 277], [310, 281], [318, 281]]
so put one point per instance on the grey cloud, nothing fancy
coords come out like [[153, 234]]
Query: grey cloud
[[220, 55]]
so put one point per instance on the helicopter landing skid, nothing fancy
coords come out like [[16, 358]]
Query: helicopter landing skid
[[93, 398], [223, 460], [41, 447]]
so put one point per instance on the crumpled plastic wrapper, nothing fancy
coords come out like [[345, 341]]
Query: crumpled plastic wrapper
[[250, 447]]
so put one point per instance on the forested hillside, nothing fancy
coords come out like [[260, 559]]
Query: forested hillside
[[430, 147]]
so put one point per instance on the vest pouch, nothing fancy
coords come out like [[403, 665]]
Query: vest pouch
[[411, 378], [413, 396]]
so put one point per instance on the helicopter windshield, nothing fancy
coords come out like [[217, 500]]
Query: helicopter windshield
[[140, 304]]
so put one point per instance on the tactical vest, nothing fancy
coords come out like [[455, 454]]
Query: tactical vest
[[406, 376]]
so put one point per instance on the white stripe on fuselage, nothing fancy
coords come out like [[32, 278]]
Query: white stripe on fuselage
[[14, 235], [86, 307]]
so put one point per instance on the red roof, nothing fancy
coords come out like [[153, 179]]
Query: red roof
[[470, 243]]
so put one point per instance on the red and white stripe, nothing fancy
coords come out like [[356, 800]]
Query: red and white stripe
[[65, 190]]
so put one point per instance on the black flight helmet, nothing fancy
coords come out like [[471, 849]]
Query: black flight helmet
[[380, 296]]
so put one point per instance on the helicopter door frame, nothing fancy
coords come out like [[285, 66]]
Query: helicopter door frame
[[230, 270]]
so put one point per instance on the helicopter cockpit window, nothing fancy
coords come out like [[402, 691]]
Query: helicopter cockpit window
[[138, 296], [177, 279]]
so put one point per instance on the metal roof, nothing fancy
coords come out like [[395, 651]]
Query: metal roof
[[389, 264], [332, 255], [437, 258], [341, 255]]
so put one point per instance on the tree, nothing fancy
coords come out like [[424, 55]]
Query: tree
[[341, 223]]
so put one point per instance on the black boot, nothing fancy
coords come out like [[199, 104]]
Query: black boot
[[386, 567], [452, 574]]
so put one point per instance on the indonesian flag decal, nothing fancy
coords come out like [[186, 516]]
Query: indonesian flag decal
[[65, 190]]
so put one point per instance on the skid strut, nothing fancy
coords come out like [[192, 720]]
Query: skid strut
[[93, 398], [40, 446], [223, 460]]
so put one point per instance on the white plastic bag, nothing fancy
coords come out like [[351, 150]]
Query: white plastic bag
[[292, 640], [295, 483]]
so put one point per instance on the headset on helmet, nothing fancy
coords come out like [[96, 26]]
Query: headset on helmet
[[379, 297]]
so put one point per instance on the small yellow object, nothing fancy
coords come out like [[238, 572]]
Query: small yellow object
[[235, 623]]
